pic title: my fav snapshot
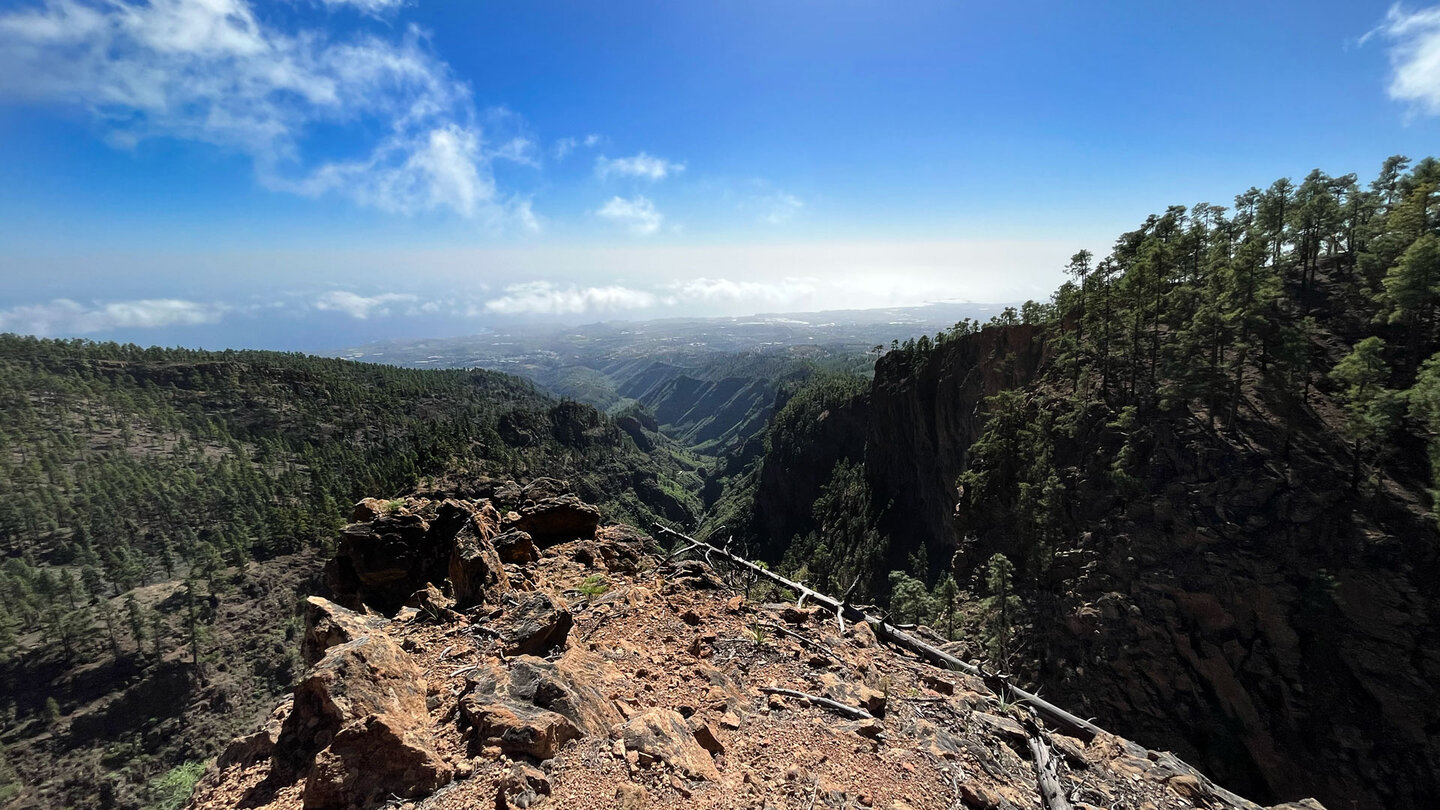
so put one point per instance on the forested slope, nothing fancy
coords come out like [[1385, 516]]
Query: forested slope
[[1193, 494], [159, 507]]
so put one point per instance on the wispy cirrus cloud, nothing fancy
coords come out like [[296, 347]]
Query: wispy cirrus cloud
[[377, 8], [638, 214], [564, 146], [1414, 38], [642, 165], [64, 316], [545, 298], [776, 207], [216, 72]]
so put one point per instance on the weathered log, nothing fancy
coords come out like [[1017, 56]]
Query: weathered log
[[1052, 714], [1047, 774], [851, 712]]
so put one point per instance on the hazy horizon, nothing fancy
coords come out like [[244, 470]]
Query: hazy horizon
[[306, 174]]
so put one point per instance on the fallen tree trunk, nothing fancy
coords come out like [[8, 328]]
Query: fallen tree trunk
[[1052, 714], [1047, 774]]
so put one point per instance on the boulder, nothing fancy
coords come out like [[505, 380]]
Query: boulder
[[518, 728], [328, 624], [558, 519], [661, 734], [515, 547], [572, 686], [631, 797], [475, 568], [369, 509], [534, 624], [696, 575], [380, 563], [361, 728], [522, 787], [543, 488], [853, 694], [432, 605]]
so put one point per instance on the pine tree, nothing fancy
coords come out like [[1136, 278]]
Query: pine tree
[[1000, 607], [135, 619], [1370, 408], [945, 597]]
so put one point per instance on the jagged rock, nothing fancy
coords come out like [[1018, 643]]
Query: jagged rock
[[259, 745], [476, 571], [661, 734], [934, 739], [328, 624], [360, 717], [706, 737], [431, 604], [380, 563], [557, 519], [536, 624], [368, 509], [853, 694], [1003, 726], [570, 686], [631, 797], [862, 633], [541, 489], [515, 547], [696, 575], [522, 787], [518, 728]]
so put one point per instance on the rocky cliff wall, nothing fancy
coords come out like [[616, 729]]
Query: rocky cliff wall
[[1241, 605]]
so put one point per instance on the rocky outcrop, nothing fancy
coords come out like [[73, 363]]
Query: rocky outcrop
[[557, 519], [476, 572], [534, 624], [328, 624], [658, 694], [661, 735], [408, 543], [359, 728], [533, 706]]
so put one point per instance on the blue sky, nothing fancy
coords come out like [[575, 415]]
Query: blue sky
[[303, 173]]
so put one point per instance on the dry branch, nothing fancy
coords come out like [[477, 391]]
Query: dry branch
[[839, 708], [1052, 714], [1047, 773], [804, 639]]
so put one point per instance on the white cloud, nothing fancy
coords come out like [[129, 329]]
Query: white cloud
[[1414, 56], [64, 316], [638, 214], [212, 71], [564, 146], [764, 293], [360, 306], [644, 166], [376, 8], [544, 298]]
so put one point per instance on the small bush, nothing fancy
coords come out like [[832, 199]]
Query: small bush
[[172, 790], [594, 585]]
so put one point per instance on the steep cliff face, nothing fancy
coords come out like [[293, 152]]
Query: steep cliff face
[[1238, 601], [921, 421]]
